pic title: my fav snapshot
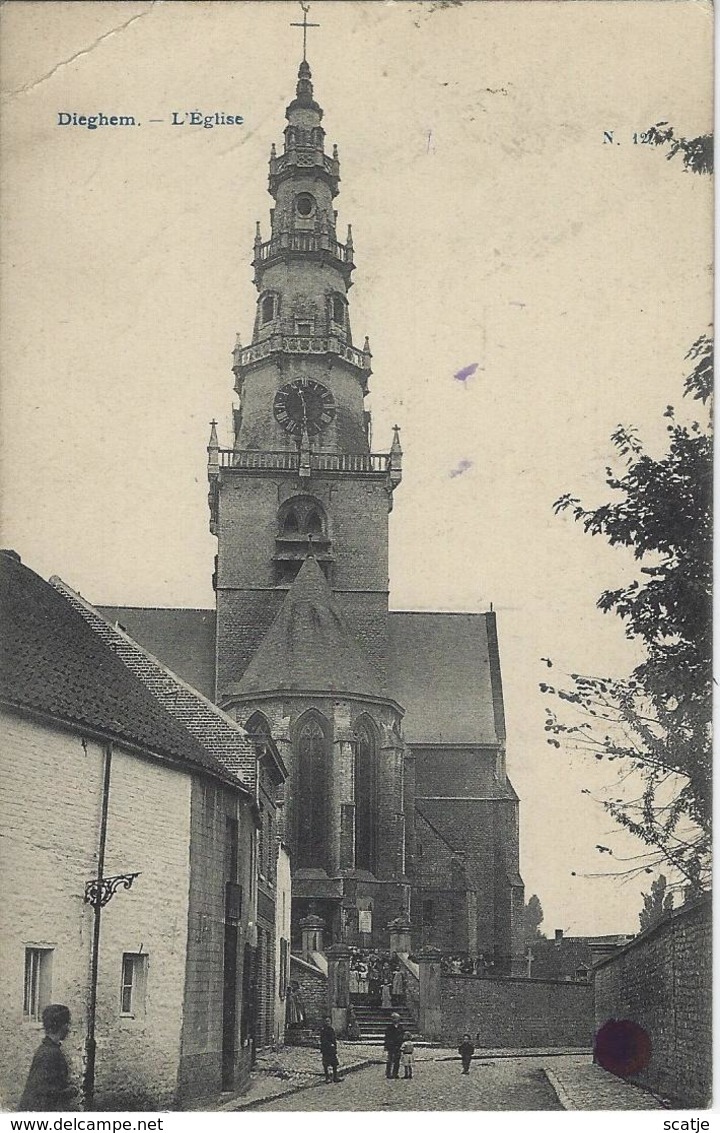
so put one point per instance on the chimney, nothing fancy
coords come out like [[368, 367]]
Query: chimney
[[558, 936]]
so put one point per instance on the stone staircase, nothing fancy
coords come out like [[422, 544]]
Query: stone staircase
[[372, 1022]]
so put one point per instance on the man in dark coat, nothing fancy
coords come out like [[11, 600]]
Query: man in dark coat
[[328, 1051], [394, 1038], [48, 1088]]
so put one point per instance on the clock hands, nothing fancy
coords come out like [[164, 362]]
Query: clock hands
[[304, 406]]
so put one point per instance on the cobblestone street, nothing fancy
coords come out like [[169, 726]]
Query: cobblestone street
[[500, 1080], [511, 1084]]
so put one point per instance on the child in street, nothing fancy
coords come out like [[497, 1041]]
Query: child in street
[[466, 1050], [328, 1051], [407, 1054]]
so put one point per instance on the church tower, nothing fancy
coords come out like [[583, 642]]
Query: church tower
[[300, 505], [302, 473]]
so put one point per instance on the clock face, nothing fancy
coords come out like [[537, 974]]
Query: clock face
[[306, 404]]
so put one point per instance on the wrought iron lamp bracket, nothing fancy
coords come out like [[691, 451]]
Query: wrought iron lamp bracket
[[101, 890]]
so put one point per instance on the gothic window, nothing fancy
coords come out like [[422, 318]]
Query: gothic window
[[365, 796], [257, 725], [311, 793], [313, 523], [302, 528], [302, 516], [290, 524]]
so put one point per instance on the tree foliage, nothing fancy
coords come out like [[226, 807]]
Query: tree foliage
[[656, 903], [533, 917], [658, 720], [697, 153]]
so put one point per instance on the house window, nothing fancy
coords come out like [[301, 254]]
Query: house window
[[268, 308], [133, 983], [284, 964], [270, 843], [304, 328], [231, 848], [38, 981]]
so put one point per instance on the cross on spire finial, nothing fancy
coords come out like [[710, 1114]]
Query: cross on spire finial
[[305, 25]]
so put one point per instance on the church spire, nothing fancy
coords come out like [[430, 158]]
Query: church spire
[[303, 273]]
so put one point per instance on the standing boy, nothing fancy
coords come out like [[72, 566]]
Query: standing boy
[[328, 1051], [48, 1087], [466, 1051]]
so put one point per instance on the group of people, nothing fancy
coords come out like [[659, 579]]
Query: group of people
[[399, 1048], [464, 965], [399, 1051], [294, 1006], [49, 1089], [379, 977]]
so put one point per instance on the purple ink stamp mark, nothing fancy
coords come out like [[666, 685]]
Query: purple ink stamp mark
[[466, 372], [462, 467], [623, 1047]]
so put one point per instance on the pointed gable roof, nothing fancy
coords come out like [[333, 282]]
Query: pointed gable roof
[[212, 727], [309, 646], [53, 665]]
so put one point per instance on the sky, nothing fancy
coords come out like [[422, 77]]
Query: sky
[[495, 227]]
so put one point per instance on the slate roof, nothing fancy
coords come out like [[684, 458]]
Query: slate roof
[[445, 672], [212, 727], [54, 665], [451, 818], [183, 639], [309, 646], [443, 669]]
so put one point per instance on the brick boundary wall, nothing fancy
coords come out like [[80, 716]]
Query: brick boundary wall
[[513, 1012], [663, 980]]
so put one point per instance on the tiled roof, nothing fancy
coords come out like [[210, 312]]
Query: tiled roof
[[53, 664], [183, 639], [444, 671], [212, 727], [309, 646]]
